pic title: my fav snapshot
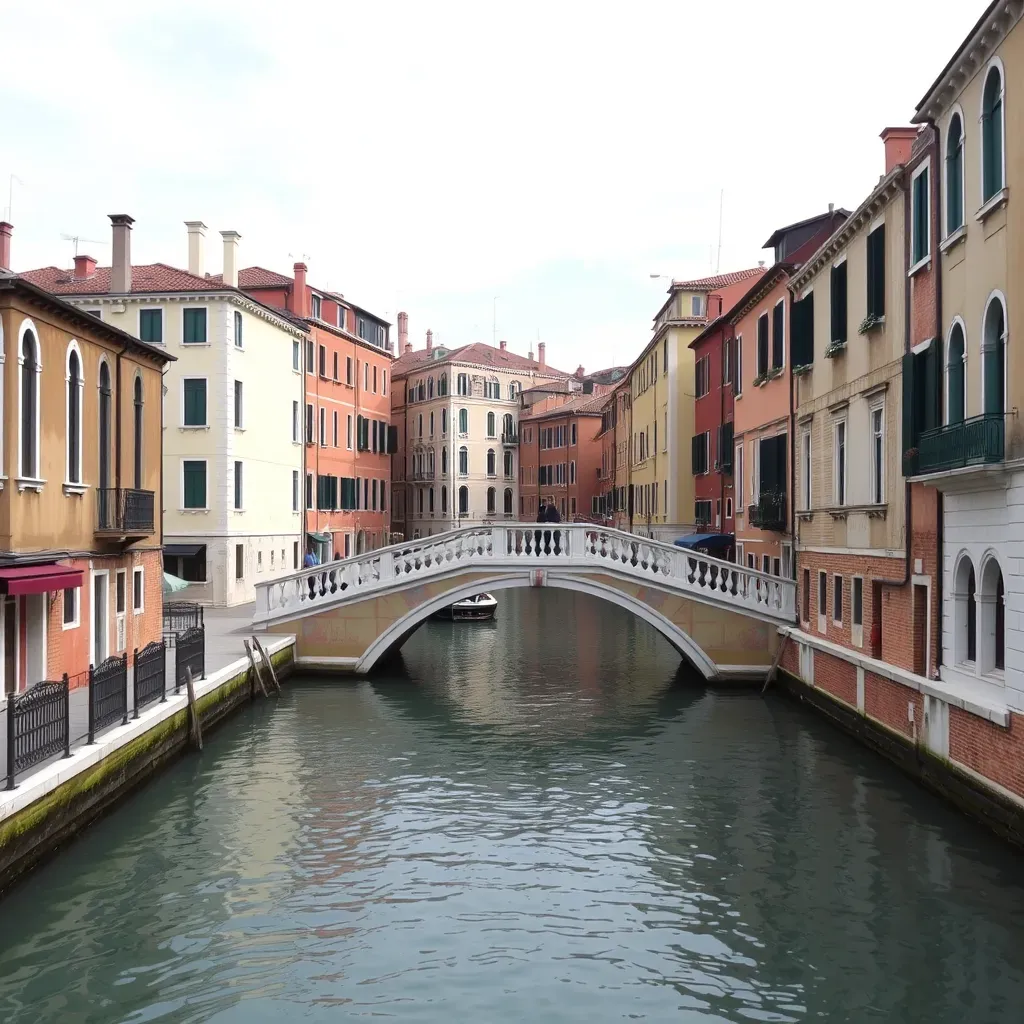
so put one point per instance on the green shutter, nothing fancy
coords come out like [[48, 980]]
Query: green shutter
[[194, 474], [151, 326], [778, 322], [195, 403], [194, 326], [992, 358], [909, 436], [876, 272]]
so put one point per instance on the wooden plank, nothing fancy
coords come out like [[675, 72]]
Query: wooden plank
[[269, 663], [193, 711], [775, 663], [255, 668]]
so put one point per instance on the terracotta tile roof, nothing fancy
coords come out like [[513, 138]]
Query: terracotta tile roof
[[709, 284], [476, 352], [151, 277], [260, 277], [581, 405]]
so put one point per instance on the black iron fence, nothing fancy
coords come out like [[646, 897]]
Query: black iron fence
[[38, 726], [108, 694], [149, 675], [179, 616], [190, 653], [125, 509]]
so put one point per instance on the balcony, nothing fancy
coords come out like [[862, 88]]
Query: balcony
[[510, 440], [422, 474], [978, 441], [124, 512], [769, 513]]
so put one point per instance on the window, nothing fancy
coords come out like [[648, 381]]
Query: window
[[463, 461], [701, 376], [992, 134], [120, 597], [334, 428], [238, 405], [702, 512], [348, 432], [801, 331], [954, 174], [956, 375], [463, 421], [837, 294], [322, 365], [238, 329], [348, 370], [375, 380], [323, 427], [837, 599], [492, 462], [805, 597], [151, 326], [919, 214], [238, 486], [309, 490], [463, 384], [194, 398], [779, 334], [239, 561], [805, 470], [295, 490], [366, 376], [857, 601], [876, 272], [572, 472], [696, 305], [137, 425], [71, 607], [296, 356], [822, 600], [193, 326], [444, 500], [442, 385], [491, 424], [728, 508], [993, 354], [737, 381], [463, 501], [76, 387], [138, 590], [762, 344], [766, 564], [295, 422], [310, 357], [193, 483], [491, 501], [316, 306], [727, 361], [700, 452], [572, 431], [30, 373], [839, 461], [877, 455], [739, 476]]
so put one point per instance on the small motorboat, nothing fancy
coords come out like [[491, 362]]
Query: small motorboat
[[478, 608]]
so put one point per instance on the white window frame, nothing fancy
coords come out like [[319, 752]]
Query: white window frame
[[195, 344], [728, 506], [138, 589], [840, 591], [323, 426], [840, 420], [879, 408], [181, 415], [994, 296], [348, 432], [923, 168], [78, 486], [77, 620], [956, 111], [856, 628], [26, 481], [163, 324], [822, 604], [296, 422], [181, 483], [740, 489], [316, 306], [296, 487], [237, 329], [956, 321], [995, 62], [237, 478], [238, 405]]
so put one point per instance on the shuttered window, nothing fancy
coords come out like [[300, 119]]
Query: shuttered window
[[801, 331], [699, 456], [193, 473], [838, 296], [725, 446], [194, 326], [919, 212], [772, 464], [778, 335], [151, 326], [876, 272], [195, 401], [762, 344], [954, 175], [922, 379], [992, 135]]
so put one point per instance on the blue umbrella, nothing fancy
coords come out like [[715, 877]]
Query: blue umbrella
[[172, 584]]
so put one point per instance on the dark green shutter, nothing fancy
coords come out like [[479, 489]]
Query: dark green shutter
[[876, 272], [194, 473], [725, 447], [695, 456], [195, 403], [992, 137], [762, 344], [802, 331], [909, 437], [838, 297], [778, 323], [393, 440], [992, 359]]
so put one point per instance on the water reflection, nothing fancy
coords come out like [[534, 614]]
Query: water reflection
[[544, 818]]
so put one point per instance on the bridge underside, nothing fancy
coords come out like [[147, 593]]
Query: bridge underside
[[355, 635]]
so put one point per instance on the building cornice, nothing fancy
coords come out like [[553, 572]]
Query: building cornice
[[972, 55], [884, 193], [532, 373]]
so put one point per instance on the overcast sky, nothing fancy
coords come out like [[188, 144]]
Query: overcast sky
[[432, 156]]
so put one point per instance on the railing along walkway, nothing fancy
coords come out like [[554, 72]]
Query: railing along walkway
[[518, 547]]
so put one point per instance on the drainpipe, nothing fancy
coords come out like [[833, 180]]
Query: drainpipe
[[117, 418], [940, 503], [792, 449]]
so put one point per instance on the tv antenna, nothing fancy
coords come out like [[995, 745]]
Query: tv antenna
[[78, 238], [10, 195]]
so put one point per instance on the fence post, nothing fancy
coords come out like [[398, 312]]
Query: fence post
[[67, 715], [92, 714], [135, 681], [163, 671], [10, 740], [124, 670]]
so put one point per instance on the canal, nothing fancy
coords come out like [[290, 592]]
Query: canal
[[536, 819]]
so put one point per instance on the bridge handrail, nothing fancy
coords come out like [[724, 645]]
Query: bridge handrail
[[516, 545]]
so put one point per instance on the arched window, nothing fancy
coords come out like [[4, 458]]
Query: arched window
[[493, 388], [104, 425], [491, 420], [444, 500], [463, 421], [430, 501], [956, 375], [954, 174], [491, 500], [463, 501], [419, 491], [508, 464], [463, 382], [431, 424], [965, 637], [75, 385], [444, 461], [508, 427], [442, 385], [430, 463], [138, 433], [421, 424], [28, 359], [993, 356], [444, 422], [515, 389], [991, 619], [430, 387], [508, 501], [992, 134], [463, 461], [492, 463]]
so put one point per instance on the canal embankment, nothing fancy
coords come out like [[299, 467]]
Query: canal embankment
[[56, 799]]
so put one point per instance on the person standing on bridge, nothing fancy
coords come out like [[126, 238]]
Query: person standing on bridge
[[551, 516], [541, 518]]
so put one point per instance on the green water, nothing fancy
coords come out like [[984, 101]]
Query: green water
[[534, 820]]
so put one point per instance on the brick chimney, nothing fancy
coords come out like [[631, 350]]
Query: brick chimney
[[230, 274], [403, 331], [85, 266], [406, 348], [196, 244], [430, 341], [5, 245], [898, 143], [121, 262], [503, 345], [580, 372], [541, 354], [299, 302]]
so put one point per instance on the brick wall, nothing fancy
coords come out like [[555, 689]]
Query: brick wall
[[994, 752], [888, 702]]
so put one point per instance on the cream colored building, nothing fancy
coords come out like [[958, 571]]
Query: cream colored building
[[232, 452], [457, 413]]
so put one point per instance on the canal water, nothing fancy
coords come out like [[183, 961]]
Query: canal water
[[538, 819]]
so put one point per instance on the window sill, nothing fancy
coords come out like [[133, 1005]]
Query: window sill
[[138, 611], [65, 626], [922, 264], [953, 238], [196, 344], [993, 204], [194, 426], [70, 488], [194, 511], [29, 483], [239, 430], [805, 515]]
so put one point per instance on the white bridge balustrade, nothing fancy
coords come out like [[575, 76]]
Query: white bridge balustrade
[[519, 547]]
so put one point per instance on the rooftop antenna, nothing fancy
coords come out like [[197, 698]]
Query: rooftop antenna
[[494, 321], [10, 195], [305, 257], [721, 203], [78, 238]]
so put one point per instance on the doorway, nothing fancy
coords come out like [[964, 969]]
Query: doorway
[[100, 641], [35, 639], [9, 610]]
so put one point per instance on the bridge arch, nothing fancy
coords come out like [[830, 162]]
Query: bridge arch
[[392, 638]]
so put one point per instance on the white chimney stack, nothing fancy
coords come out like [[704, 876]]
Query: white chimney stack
[[196, 238], [230, 257]]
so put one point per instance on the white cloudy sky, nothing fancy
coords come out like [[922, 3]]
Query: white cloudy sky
[[432, 156]]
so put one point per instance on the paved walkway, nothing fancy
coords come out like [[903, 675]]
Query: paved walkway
[[226, 629]]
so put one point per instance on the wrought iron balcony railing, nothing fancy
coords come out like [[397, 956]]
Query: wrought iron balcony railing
[[977, 441], [510, 439], [769, 513], [125, 511]]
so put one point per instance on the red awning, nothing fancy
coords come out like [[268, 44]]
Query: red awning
[[38, 579]]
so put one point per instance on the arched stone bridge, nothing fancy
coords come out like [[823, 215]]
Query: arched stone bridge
[[348, 614]]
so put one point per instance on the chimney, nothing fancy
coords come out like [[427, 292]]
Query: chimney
[[541, 358], [196, 237], [898, 143], [5, 245], [121, 262], [299, 300], [503, 345], [580, 372], [430, 341], [85, 266], [230, 274], [403, 331], [407, 349]]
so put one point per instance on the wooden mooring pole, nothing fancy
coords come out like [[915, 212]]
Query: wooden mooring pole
[[193, 711]]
